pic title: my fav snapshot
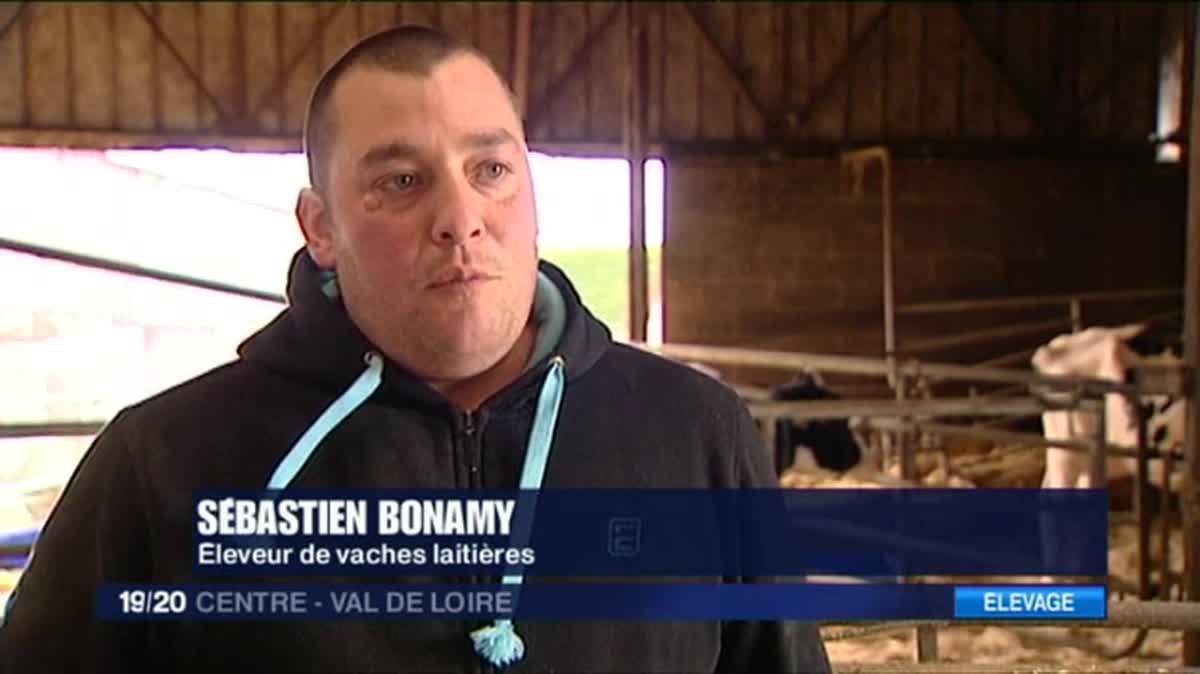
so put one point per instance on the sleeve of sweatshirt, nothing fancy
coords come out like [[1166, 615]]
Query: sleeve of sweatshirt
[[770, 647], [96, 533]]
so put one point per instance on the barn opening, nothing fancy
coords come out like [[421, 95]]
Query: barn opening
[[89, 334]]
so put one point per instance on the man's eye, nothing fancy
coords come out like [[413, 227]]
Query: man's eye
[[493, 171], [400, 182]]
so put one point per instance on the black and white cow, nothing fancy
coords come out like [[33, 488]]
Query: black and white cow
[[824, 443]]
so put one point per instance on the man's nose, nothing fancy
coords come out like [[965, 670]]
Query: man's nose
[[457, 217]]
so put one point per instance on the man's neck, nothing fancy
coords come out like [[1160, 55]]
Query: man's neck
[[469, 393]]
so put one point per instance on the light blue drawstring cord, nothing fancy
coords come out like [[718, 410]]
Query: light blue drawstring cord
[[356, 395], [499, 642]]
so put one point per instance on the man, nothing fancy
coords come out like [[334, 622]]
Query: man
[[424, 346]]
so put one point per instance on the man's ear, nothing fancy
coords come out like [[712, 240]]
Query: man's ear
[[317, 227]]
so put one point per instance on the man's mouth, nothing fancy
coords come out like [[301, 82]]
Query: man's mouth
[[459, 277]]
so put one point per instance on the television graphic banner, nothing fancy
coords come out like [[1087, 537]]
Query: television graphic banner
[[876, 533], [600, 601]]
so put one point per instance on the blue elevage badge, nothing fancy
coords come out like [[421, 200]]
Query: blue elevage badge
[[1031, 602]]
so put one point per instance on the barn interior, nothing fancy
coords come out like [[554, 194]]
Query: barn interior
[[906, 200]]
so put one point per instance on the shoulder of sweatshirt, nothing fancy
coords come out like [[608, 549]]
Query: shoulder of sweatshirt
[[226, 426], [226, 392], [684, 408], [646, 374]]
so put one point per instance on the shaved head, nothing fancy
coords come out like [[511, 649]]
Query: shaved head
[[422, 204], [406, 50]]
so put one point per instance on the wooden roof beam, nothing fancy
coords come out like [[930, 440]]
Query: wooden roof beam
[[1035, 109]]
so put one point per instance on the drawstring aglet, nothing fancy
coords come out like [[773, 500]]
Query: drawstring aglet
[[499, 643]]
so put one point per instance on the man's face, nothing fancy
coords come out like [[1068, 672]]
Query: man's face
[[429, 215]]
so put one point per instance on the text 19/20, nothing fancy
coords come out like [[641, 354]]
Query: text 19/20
[[154, 602]]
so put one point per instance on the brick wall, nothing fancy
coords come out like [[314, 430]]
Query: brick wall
[[781, 255]]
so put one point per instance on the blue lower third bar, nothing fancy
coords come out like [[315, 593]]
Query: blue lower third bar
[[1031, 602]]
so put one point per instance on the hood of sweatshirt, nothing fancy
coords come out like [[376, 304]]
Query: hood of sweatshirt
[[315, 341]]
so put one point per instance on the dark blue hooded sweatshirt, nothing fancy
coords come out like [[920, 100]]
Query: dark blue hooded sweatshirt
[[627, 419]]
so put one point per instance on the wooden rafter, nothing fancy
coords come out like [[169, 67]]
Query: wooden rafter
[[523, 35], [1145, 49], [854, 52], [286, 72], [736, 70], [223, 115], [7, 22], [1028, 101], [1062, 108], [578, 61]]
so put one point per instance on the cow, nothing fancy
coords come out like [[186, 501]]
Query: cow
[[815, 443], [1106, 353]]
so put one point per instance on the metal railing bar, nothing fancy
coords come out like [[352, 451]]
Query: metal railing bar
[[878, 367], [59, 429], [136, 270], [1030, 301], [984, 335], [883, 407]]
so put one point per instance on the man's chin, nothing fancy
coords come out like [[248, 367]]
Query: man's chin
[[460, 358]]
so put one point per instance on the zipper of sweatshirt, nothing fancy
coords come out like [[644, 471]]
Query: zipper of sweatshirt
[[471, 452], [470, 449]]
